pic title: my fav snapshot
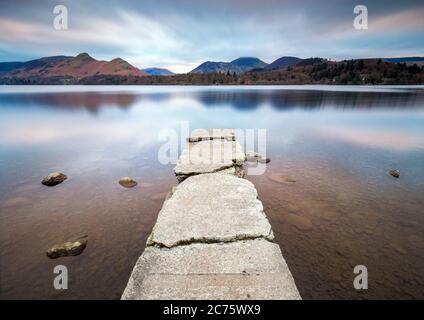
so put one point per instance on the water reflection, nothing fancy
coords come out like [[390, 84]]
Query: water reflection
[[327, 192], [242, 99], [309, 99], [91, 101]]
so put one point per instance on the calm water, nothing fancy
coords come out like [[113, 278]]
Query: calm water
[[336, 143]]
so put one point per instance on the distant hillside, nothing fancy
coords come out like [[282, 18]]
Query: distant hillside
[[237, 66], [211, 66], [408, 60], [32, 64], [66, 69], [347, 72], [246, 64], [311, 61], [158, 72], [283, 63]]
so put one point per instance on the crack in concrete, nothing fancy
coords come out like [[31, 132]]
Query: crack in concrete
[[187, 242], [239, 171]]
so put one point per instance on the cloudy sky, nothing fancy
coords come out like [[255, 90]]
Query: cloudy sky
[[180, 34]]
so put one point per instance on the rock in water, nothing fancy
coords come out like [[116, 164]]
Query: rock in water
[[253, 156], [395, 173], [70, 248], [53, 179], [264, 160], [127, 182]]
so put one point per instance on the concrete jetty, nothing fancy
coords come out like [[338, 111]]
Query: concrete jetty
[[212, 239]]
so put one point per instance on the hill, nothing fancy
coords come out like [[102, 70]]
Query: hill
[[158, 72], [283, 63], [66, 69], [237, 66]]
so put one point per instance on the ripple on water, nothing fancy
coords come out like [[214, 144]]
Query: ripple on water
[[17, 201], [159, 196]]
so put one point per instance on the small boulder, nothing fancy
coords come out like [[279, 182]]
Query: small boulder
[[253, 156], [264, 160], [70, 248], [395, 173], [127, 182], [53, 179]]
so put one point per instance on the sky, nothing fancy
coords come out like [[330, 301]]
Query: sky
[[181, 34]]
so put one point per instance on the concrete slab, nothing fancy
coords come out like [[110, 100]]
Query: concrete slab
[[210, 208], [207, 157], [249, 269], [212, 238]]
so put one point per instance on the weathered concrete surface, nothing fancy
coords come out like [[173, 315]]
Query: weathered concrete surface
[[212, 239], [249, 269], [209, 156], [206, 209]]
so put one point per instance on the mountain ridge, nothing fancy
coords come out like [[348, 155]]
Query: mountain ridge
[[283, 62], [83, 69], [158, 71], [237, 66], [80, 66]]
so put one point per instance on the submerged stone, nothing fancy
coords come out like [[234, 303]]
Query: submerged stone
[[127, 182], [70, 248], [264, 160], [253, 156], [53, 179], [395, 173]]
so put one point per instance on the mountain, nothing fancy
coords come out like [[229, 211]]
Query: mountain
[[246, 64], [32, 64], [211, 66], [157, 72], [283, 63], [71, 68], [237, 66], [310, 61], [8, 66]]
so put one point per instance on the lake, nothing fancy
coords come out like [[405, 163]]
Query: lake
[[327, 191]]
